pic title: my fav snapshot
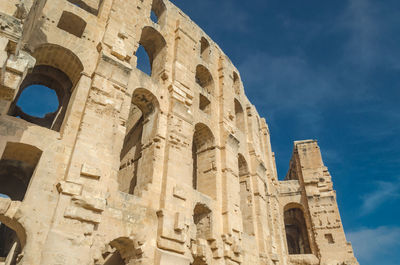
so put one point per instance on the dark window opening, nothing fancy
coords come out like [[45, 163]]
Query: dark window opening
[[154, 47], [236, 83], [114, 259], [10, 246], [17, 166], [38, 94], [329, 238], [120, 251], [204, 49], [204, 104], [296, 232], [204, 79], [72, 24], [157, 11]]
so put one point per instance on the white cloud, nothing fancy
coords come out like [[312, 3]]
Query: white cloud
[[385, 191], [372, 245]]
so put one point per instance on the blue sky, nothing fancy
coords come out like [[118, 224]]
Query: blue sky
[[325, 70]]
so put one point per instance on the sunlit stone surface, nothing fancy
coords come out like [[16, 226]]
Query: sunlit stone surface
[[173, 167]]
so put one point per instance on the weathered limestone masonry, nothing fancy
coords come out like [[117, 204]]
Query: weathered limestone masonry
[[171, 168]]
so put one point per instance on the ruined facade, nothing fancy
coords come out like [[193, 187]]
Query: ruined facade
[[170, 167]]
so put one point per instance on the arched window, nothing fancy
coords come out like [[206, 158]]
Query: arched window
[[204, 79], [141, 127], [236, 83], [157, 11], [296, 232], [245, 196], [121, 251], [204, 49], [154, 45], [203, 153], [239, 114], [57, 69], [17, 165]]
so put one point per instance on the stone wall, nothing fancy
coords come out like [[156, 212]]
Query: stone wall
[[171, 167]]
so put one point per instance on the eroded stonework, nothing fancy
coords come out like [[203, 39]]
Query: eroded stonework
[[173, 167]]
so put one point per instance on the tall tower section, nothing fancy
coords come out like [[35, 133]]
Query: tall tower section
[[308, 202]]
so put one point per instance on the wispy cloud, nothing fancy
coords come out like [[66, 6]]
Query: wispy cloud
[[287, 83], [370, 25], [372, 244], [385, 191]]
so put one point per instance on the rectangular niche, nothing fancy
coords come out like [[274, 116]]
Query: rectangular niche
[[72, 24]]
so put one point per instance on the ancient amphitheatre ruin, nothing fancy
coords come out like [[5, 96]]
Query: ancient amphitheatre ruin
[[171, 168]]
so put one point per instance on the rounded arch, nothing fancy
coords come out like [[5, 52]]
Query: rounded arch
[[297, 236], [146, 101], [60, 58], [293, 205], [58, 69], [239, 114], [141, 128], [243, 166], [120, 251], [154, 44], [203, 155], [204, 79], [203, 138]]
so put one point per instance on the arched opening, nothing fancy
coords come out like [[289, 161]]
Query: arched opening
[[296, 232], [204, 49], [245, 196], [154, 45], [203, 154], [120, 251], [17, 166], [10, 245], [239, 114], [202, 220], [157, 11], [57, 69], [204, 79], [72, 24], [141, 127], [236, 83]]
